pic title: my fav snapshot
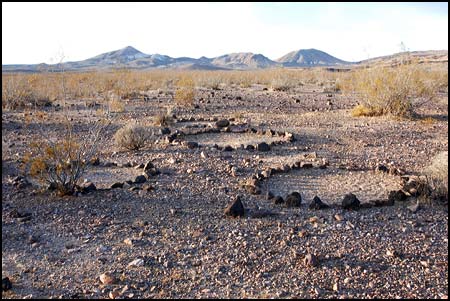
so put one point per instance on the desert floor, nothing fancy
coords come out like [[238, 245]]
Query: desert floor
[[189, 249]]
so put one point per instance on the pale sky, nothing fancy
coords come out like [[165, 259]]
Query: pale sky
[[42, 32]]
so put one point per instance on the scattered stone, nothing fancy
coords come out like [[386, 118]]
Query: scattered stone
[[113, 294], [311, 260], [6, 284], [250, 147], [222, 123], [350, 201], [294, 199], [95, 161], [107, 278], [234, 171], [190, 144], [302, 233], [266, 173], [414, 207], [164, 131], [32, 239], [148, 166], [306, 165], [338, 217], [148, 187], [137, 262], [252, 186], [397, 196], [312, 155], [140, 179], [392, 253], [24, 218], [203, 155], [263, 147], [139, 166], [88, 187], [317, 204], [128, 241], [117, 185], [381, 168], [278, 200], [235, 208], [228, 148]]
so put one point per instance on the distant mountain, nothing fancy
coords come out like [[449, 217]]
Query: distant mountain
[[309, 58], [132, 58], [243, 60], [429, 56]]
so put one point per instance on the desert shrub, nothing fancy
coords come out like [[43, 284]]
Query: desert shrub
[[60, 163], [361, 110], [185, 92], [163, 119], [131, 136], [19, 91], [393, 91], [116, 106], [437, 176]]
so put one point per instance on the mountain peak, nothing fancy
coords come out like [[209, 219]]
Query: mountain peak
[[309, 57]]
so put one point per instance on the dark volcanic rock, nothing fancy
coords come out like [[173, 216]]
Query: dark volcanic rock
[[191, 144], [164, 131], [117, 185], [263, 147], [140, 179], [350, 201], [222, 123], [381, 168], [235, 208], [397, 196], [88, 187], [6, 284], [149, 165], [278, 200], [294, 199], [317, 204]]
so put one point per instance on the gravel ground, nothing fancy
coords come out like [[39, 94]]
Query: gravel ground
[[175, 242]]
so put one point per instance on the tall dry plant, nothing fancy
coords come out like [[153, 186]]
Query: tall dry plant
[[185, 91], [60, 162]]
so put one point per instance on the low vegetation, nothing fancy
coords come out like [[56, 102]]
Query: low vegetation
[[61, 162], [396, 91], [132, 137], [437, 176]]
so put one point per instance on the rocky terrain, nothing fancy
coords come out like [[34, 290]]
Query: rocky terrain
[[168, 235]]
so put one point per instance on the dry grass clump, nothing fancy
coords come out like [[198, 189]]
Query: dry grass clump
[[392, 91], [19, 91], [61, 163], [132, 137], [116, 106], [185, 93], [437, 175], [164, 119]]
